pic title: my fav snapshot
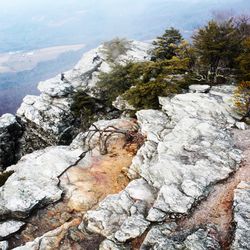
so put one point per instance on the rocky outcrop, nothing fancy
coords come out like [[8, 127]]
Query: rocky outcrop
[[34, 181], [242, 216], [83, 197], [48, 119], [189, 148], [10, 134]]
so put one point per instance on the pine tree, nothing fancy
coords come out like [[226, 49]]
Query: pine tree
[[166, 45], [244, 60], [216, 45]]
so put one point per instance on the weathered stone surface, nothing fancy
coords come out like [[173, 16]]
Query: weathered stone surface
[[242, 216], [114, 211], [201, 240], [47, 122], [165, 237], [122, 104], [51, 240], [190, 156], [9, 227], [226, 92], [241, 125], [189, 147], [34, 181], [52, 87], [37, 181], [199, 88], [10, 134], [133, 227]]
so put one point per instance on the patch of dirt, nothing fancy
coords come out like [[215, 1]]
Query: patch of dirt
[[97, 176], [217, 209], [85, 185], [136, 243]]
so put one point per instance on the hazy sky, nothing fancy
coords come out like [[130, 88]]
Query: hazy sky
[[27, 24]]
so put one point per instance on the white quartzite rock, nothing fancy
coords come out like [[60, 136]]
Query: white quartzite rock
[[113, 213], [189, 147], [163, 237], [242, 217], [199, 88], [35, 181], [9, 227], [4, 245], [110, 245]]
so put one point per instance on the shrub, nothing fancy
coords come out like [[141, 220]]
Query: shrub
[[244, 60], [85, 107], [142, 82], [145, 95], [114, 48], [167, 44], [242, 99], [114, 83]]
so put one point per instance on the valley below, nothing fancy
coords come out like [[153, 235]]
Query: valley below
[[20, 72]]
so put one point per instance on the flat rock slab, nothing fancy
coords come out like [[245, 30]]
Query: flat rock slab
[[35, 181]]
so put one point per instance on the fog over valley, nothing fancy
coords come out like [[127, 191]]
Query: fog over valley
[[27, 25]]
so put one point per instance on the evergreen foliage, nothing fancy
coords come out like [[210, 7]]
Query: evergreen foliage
[[141, 83], [165, 46], [114, 83], [216, 45], [244, 60], [85, 107]]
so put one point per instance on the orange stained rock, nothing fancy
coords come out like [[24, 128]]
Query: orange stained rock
[[89, 182]]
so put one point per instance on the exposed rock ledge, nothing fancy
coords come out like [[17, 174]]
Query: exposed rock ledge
[[48, 119], [189, 148]]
